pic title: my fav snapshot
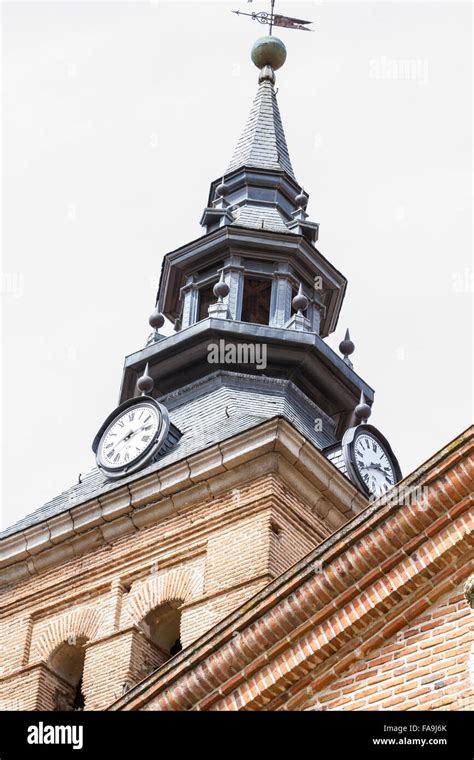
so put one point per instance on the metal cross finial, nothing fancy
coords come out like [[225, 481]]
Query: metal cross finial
[[274, 19], [272, 7]]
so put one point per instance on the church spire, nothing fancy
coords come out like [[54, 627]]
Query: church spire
[[259, 189], [253, 278], [262, 144]]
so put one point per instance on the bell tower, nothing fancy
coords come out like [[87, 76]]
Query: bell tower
[[253, 298], [240, 443]]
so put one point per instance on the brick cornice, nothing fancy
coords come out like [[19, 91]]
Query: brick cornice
[[354, 629], [368, 578], [374, 637], [131, 568]]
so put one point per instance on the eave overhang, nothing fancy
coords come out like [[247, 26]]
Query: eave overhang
[[254, 176], [302, 357], [156, 493]]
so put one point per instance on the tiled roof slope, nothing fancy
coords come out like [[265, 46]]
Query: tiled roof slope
[[262, 143], [208, 411]]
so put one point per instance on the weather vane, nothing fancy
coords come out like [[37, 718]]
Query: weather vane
[[274, 19]]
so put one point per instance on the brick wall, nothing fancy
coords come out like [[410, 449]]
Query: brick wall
[[113, 664], [212, 558], [35, 688], [426, 667], [376, 617]]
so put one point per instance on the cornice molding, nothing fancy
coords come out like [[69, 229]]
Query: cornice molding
[[179, 487]]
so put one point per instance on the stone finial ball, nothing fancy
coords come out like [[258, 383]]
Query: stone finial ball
[[268, 51], [145, 384], [301, 200], [221, 289], [346, 347], [222, 189], [362, 411], [156, 320], [300, 302]]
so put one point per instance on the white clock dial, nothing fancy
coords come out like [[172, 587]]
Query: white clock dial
[[373, 464], [129, 436]]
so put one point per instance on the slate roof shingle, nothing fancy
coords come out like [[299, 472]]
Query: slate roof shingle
[[260, 218], [262, 143]]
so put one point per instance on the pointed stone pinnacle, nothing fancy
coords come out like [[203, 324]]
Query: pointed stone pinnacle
[[300, 302], [145, 383], [346, 346], [301, 200], [362, 410], [156, 320], [221, 288], [222, 189]]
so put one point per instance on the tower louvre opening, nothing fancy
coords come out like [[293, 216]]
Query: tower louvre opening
[[256, 300]]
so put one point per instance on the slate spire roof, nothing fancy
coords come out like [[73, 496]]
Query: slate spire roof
[[259, 189], [262, 143]]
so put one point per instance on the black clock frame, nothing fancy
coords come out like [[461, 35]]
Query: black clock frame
[[348, 452], [151, 450]]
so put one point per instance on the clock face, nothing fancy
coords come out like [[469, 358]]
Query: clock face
[[372, 462], [129, 436]]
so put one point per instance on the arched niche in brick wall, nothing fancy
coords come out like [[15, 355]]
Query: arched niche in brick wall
[[177, 585], [162, 626], [75, 624], [67, 661]]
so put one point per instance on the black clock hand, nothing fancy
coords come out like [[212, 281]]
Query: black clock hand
[[127, 435], [133, 433]]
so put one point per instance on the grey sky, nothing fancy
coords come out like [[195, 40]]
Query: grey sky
[[116, 116]]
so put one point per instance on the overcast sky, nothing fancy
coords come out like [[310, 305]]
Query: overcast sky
[[116, 117]]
